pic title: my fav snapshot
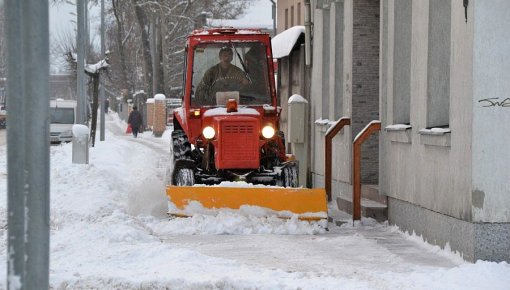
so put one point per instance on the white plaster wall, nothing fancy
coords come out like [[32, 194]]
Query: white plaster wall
[[491, 125], [341, 163], [433, 177], [316, 101]]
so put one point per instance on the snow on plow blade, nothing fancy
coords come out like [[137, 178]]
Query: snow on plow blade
[[307, 204]]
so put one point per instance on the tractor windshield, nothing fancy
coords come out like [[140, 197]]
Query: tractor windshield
[[223, 71]]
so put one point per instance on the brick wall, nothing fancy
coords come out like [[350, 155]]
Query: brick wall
[[365, 82]]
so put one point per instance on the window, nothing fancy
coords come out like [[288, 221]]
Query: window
[[438, 73], [286, 19], [62, 115], [292, 15], [325, 62], [299, 14], [402, 62]]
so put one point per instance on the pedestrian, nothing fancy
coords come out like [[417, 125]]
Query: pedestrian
[[106, 105], [135, 120]]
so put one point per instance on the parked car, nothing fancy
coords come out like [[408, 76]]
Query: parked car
[[62, 119]]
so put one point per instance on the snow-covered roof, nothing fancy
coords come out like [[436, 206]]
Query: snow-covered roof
[[284, 42]]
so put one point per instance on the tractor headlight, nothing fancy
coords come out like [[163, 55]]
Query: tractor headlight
[[208, 132], [268, 132]]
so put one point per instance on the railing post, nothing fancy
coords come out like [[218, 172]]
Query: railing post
[[356, 166], [330, 134]]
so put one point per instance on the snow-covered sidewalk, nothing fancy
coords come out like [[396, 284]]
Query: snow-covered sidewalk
[[109, 230]]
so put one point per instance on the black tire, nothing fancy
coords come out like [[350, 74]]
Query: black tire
[[181, 148], [184, 177], [289, 176]]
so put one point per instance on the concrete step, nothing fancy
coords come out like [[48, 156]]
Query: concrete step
[[336, 216], [369, 208], [371, 191]]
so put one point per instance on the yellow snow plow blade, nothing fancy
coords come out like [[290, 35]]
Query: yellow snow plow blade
[[308, 204]]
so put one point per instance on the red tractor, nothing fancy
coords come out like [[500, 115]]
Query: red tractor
[[227, 128]]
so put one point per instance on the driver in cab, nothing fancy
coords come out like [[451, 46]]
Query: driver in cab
[[221, 77]]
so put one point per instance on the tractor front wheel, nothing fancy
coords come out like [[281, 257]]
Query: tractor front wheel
[[289, 176], [184, 177]]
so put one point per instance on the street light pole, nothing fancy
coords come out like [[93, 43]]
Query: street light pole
[[28, 157], [80, 47]]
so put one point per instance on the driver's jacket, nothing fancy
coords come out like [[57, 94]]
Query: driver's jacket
[[217, 79]]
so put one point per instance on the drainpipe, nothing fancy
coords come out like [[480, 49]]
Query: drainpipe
[[308, 74], [308, 30]]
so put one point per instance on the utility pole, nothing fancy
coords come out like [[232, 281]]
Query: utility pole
[[28, 186], [80, 70], [101, 87]]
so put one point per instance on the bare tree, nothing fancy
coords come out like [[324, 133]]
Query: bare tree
[[141, 17], [147, 34]]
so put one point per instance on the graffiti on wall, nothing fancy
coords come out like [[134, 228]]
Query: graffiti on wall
[[495, 102]]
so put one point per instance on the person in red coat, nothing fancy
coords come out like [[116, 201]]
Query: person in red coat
[[135, 120]]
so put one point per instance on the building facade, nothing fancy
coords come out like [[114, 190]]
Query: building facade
[[289, 13], [444, 72], [435, 73]]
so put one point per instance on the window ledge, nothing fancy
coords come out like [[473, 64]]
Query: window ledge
[[436, 137], [399, 133], [323, 125]]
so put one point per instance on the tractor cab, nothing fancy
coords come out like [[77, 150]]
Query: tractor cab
[[229, 113]]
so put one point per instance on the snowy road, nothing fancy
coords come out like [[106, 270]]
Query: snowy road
[[109, 231]]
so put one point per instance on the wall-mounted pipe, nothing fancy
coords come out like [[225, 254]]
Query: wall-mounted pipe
[[330, 134], [356, 166], [308, 31]]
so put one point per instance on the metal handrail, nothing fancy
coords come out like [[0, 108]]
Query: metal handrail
[[356, 166], [330, 134]]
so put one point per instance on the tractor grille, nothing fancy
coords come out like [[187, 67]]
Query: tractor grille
[[238, 129], [239, 145]]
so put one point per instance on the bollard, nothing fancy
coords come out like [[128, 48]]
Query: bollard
[[297, 116], [150, 113], [159, 125], [80, 144]]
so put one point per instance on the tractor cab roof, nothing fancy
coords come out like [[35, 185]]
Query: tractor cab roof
[[225, 30]]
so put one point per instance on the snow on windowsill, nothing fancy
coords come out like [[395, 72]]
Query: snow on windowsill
[[436, 137], [400, 133], [397, 127], [324, 124]]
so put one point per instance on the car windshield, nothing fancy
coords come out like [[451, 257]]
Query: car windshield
[[223, 71], [62, 115]]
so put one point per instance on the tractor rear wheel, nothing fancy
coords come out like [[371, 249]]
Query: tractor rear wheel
[[181, 147], [184, 177]]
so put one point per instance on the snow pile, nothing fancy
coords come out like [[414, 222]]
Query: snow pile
[[109, 230]]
